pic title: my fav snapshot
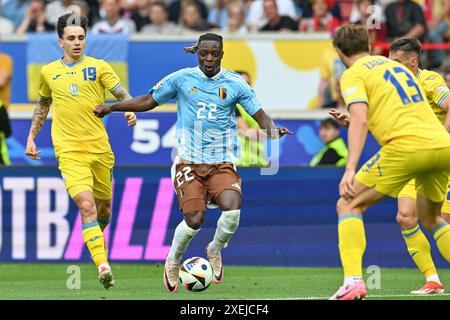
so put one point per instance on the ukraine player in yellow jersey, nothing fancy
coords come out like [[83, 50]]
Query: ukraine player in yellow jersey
[[407, 51], [74, 85], [384, 97]]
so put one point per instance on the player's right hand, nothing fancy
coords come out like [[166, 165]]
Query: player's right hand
[[191, 49], [102, 110], [278, 133], [346, 189], [31, 152], [342, 118]]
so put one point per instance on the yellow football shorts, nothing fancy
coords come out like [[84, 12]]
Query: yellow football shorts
[[84, 171], [389, 171], [409, 191]]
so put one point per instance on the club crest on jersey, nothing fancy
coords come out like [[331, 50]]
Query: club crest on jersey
[[73, 88], [223, 93]]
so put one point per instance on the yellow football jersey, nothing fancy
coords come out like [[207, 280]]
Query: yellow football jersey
[[435, 89], [398, 113], [75, 90]]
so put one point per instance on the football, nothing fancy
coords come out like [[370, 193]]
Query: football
[[196, 274]]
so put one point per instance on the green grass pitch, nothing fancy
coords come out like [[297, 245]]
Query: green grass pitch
[[139, 281]]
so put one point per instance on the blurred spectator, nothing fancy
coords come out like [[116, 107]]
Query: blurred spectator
[[329, 93], [14, 11], [92, 11], [250, 136], [35, 19], [256, 20], [136, 10], [5, 132], [114, 23], [335, 151], [405, 18], [218, 15], [6, 72], [158, 15], [191, 19], [356, 13], [129, 6], [236, 19], [372, 19], [247, 4], [321, 21], [275, 21], [80, 7], [305, 10], [6, 26], [438, 30], [176, 7], [55, 9]]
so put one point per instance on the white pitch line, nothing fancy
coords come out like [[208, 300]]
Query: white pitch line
[[369, 296]]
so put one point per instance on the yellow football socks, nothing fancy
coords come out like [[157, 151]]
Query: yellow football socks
[[419, 249], [93, 237], [442, 236], [352, 244]]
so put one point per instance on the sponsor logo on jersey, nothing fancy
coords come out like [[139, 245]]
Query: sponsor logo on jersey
[[56, 77], [193, 90]]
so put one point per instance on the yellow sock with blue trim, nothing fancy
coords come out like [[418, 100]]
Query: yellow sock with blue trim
[[352, 244], [420, 250], [93, 237], [442, 236]]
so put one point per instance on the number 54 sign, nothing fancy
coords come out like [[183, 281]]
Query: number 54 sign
[[147, 139]]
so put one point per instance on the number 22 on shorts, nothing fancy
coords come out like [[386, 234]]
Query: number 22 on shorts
[[183, 173]]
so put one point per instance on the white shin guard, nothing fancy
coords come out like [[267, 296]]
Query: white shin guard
[[226, 227], [181, 239]]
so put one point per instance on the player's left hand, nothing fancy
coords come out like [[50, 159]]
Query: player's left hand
[[131, 118], [346, 190], [102, 110]]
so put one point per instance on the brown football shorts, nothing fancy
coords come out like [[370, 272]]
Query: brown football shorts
[[197, 184]]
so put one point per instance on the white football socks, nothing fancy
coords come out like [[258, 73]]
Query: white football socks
[[181, 239], [434, 277], [226, 226], [352, 280]]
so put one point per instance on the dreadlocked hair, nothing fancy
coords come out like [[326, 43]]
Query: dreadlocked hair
[[204, 37]]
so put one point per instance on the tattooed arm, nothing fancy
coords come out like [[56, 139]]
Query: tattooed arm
[[122, 94], [39, 116]]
